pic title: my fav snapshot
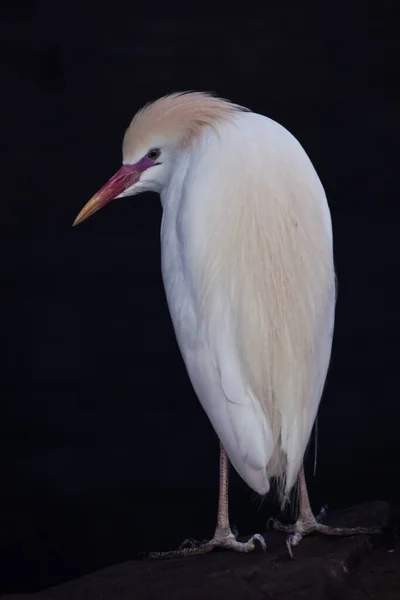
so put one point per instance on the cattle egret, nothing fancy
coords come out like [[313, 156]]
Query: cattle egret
[[247, 264]]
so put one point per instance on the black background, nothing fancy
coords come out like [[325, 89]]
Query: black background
[[105, 450]]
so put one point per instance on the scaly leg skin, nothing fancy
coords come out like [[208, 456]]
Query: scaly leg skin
[[307, 523], [223, 536]]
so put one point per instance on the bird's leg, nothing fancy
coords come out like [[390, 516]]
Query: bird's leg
[[223, 536], [307, 523]]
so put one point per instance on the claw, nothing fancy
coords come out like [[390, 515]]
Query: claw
[[189, 543], [292, 540], [271, 523], [278, 526], [259, 538], [289, 546], [322, 513]]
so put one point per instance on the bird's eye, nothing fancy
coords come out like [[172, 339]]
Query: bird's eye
[[153, 154]]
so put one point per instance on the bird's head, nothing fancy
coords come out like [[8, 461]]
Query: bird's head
[[157, 135]]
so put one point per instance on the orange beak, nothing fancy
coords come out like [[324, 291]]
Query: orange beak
[[127, 176]]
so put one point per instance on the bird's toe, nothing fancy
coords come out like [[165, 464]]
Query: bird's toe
[[322, 513], [190, 543], [278, 526]]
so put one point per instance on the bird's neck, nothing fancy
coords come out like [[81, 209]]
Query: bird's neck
[[172, 192]]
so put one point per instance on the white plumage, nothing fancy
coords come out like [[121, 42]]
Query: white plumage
[[247, 263], [248, 271]]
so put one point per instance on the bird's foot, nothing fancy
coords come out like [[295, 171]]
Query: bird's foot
[[307, 524], [223, 538]]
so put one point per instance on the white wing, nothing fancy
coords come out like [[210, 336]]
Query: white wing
[[249, 276]]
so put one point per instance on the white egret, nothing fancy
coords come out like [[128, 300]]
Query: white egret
[[247, 264]]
